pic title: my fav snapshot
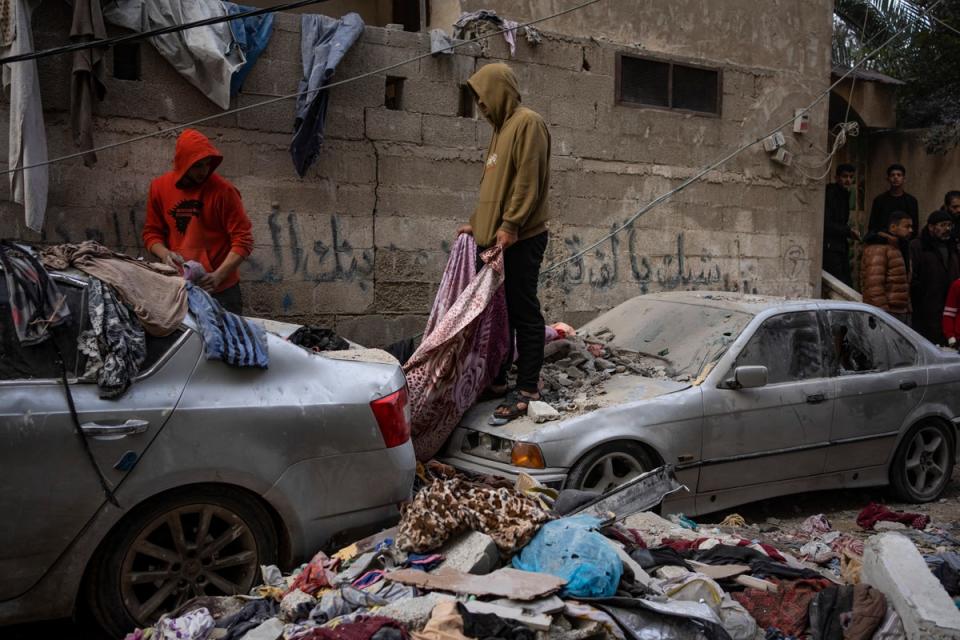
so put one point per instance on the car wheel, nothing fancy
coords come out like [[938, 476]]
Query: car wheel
[[609, 466], [208, 541], [923, 463]]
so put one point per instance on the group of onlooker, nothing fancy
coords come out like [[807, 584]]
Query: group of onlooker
[[913, 273]]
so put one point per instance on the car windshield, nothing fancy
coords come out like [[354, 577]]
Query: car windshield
[[684, 336]]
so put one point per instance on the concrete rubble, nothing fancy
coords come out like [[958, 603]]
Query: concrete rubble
[[745, 581]]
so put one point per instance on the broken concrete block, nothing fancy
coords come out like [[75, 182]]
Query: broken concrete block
[[540, 411], [892, 564], [414, 613], [472, 552]]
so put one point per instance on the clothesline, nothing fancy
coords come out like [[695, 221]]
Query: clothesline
[[143, 35]]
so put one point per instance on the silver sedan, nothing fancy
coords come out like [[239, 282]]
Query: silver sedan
[[216, 470], [759, 397]]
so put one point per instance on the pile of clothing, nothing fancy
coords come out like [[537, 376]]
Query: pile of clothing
[[126, 301], [558, 572]]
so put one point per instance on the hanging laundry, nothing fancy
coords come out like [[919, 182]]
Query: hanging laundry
[[27, 137], [204, 56], [8, 22], [36, 304], [480, 23], [227, 336], [114, 344], [464, 344], [89, 71], [151, 289], [323, 43], [252, 35]]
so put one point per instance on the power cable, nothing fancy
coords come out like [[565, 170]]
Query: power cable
[[290, 96], [703, 172], [142, 35]]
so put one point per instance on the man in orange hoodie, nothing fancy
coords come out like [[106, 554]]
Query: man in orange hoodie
[[194, 214]]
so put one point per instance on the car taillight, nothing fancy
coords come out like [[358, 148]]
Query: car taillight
[[393, 417]]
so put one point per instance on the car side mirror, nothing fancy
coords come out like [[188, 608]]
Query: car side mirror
[[750, 377]]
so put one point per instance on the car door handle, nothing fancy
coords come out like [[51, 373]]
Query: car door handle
[[816, 398], [908, 385], [131, 427]]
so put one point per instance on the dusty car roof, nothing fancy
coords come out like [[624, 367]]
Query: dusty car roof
[[744, 302]]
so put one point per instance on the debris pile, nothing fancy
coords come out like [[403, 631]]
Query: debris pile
[[576, 367], [481, 558]]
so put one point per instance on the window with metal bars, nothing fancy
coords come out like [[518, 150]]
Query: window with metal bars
[[647, 82]]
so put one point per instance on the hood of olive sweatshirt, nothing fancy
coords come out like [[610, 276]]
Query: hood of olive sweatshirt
[[497, 87]]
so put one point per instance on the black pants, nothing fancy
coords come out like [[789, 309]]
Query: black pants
[[837, 264], [230, 299], [522, 273]]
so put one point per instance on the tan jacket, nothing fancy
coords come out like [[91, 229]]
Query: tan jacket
[[883, 272], [516, 175]]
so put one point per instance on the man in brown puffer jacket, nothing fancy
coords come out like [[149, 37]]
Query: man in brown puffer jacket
[[885, 267]]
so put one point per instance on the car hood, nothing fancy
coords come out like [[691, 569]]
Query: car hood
[[620, 389]]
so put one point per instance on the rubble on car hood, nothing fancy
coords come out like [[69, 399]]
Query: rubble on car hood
[[559, 574]]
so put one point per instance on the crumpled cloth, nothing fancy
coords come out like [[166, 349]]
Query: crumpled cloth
[[363, 628], [27, 135], [251, 616], [227, 336], [445, 624], [251, 35], [323, 43], [151, 289], [195, 625], [204, 56], [36, 304], [785, 609], [946, 567], [816, 525], [869, 610], [115, 344], [448, 507], [318, 574], [874, 513], [478, 23], [464, 345]]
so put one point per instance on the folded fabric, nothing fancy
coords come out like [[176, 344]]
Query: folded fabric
[[445, 508], [874, 513], [227, 336], [151, 289], [36, 304]]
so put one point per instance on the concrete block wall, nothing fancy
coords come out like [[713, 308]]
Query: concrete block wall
[[360, 243]]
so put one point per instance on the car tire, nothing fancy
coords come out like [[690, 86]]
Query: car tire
[[923, 463], [608, 466], [146, 554]]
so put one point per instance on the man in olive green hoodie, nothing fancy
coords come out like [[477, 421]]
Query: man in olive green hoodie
[[512, 212]]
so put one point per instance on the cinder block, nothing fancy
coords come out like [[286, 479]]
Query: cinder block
[[455, 68], [395, 126], [472, 552], [423, 96], [892, 564], [444, 131], [405, 298]]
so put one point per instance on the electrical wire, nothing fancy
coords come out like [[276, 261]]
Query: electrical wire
[[290, 96], [142, 35], [703, 172]]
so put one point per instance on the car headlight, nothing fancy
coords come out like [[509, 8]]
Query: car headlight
[[491, 447]]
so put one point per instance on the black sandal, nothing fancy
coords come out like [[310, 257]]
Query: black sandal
[[512, 406]]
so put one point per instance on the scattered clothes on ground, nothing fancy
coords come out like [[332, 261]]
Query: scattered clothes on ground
[[204, 56], [363, 628], [317, 574], [424, 562], [480, 23], [571, 548], [826, 610], [36, 304], [27, 137], [227, 336], [869, 611], [464, 344], [767, 568], [342, 601], [317, 339], [323, 43], [251, 35], [445, 508], [785, 609], [115, 345], [650, 559], [445, 624], [157, 297], [252, 615], [874, 513], [488, 625], [816, 525], [946, 567], [89, 72], [645, 619], [195, 625]]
